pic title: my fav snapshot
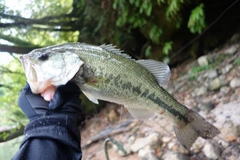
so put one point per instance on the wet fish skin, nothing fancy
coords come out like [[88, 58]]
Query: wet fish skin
[[103, 72]]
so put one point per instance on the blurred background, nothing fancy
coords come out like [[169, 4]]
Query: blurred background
[[163, 30]]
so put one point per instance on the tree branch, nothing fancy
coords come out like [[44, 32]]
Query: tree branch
[[23, 22], [9, 133], [5, 86], [15, 49], [48, 18]]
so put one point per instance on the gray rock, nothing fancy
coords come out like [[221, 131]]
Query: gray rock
[[231, 50], [236, 130], [153, 141], [211, 150], [131, 139], [225, 90], [232, 152], [206, 107], [227, 68], [235, 38], [223, 143], [235, 82], [147, 154], [138, 144], [166, 139], [120, 152], [202, 61], [200, 91], [174, 156], [215, 84], [212, 74]]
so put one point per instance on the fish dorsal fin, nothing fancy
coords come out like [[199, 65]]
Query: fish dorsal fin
[[140, 113], [111, 48], [160, 70]]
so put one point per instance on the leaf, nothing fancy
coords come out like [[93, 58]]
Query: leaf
[[196, 22], [167, 47], [148, 51]]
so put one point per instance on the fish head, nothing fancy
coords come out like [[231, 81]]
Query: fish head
[[50, 66]]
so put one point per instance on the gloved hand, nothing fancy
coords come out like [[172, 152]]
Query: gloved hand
[[65, 100]]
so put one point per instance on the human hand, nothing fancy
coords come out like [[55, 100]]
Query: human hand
[[65, 100]]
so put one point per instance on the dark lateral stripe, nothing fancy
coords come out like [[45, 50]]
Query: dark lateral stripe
[[176, 113]]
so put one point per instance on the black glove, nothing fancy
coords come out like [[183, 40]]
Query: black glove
[[65, 100]]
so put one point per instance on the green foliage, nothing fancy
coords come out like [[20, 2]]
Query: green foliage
[[173, 7], [148, 51], [196, 21], [116, 21], [166, 50], [167, 47], [12, 81], [197, 69], [237, 61], [9, 148], [42, 8]]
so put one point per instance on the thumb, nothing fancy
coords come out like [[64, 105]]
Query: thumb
[[48, 93], [57, 100]]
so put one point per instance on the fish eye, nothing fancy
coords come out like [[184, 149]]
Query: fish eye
[[43, 57]]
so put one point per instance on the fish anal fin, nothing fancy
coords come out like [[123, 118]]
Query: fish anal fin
[[90, 97], [140, 113], [160, 70], [197, 127]]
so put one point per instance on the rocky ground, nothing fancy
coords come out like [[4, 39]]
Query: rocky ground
[[210, 85]]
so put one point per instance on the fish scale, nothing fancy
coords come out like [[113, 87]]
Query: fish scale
[[119, 82], [105, 73]]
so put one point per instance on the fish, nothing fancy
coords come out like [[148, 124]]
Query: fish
[[106, 73]]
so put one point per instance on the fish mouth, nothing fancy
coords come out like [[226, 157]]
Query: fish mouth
[[34, 75]]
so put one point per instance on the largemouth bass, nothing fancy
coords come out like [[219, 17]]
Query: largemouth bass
[[105, 73]]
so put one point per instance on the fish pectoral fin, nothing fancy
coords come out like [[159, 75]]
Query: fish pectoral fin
[[160, 70], [91, 97], [140, 113]]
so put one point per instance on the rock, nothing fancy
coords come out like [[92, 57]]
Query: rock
[[212, 74], [202, 61], [225, 90], [201, 77], [235, 38], [147, 154], [171, 145], [131, 139], [211, 150], [235, 82], [127, 149], [215, 84], [206, 107], [138, 144], [232, 153], [174, 156], [231, 50], [166, 139], [113, 115], [223, 143], [153, 141], [236, 130], [227, 68], [200, 91]]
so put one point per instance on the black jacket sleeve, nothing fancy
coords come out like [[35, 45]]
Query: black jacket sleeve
[[51, 138]]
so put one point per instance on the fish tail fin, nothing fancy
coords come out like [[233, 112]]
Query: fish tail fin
[[196, 127]]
